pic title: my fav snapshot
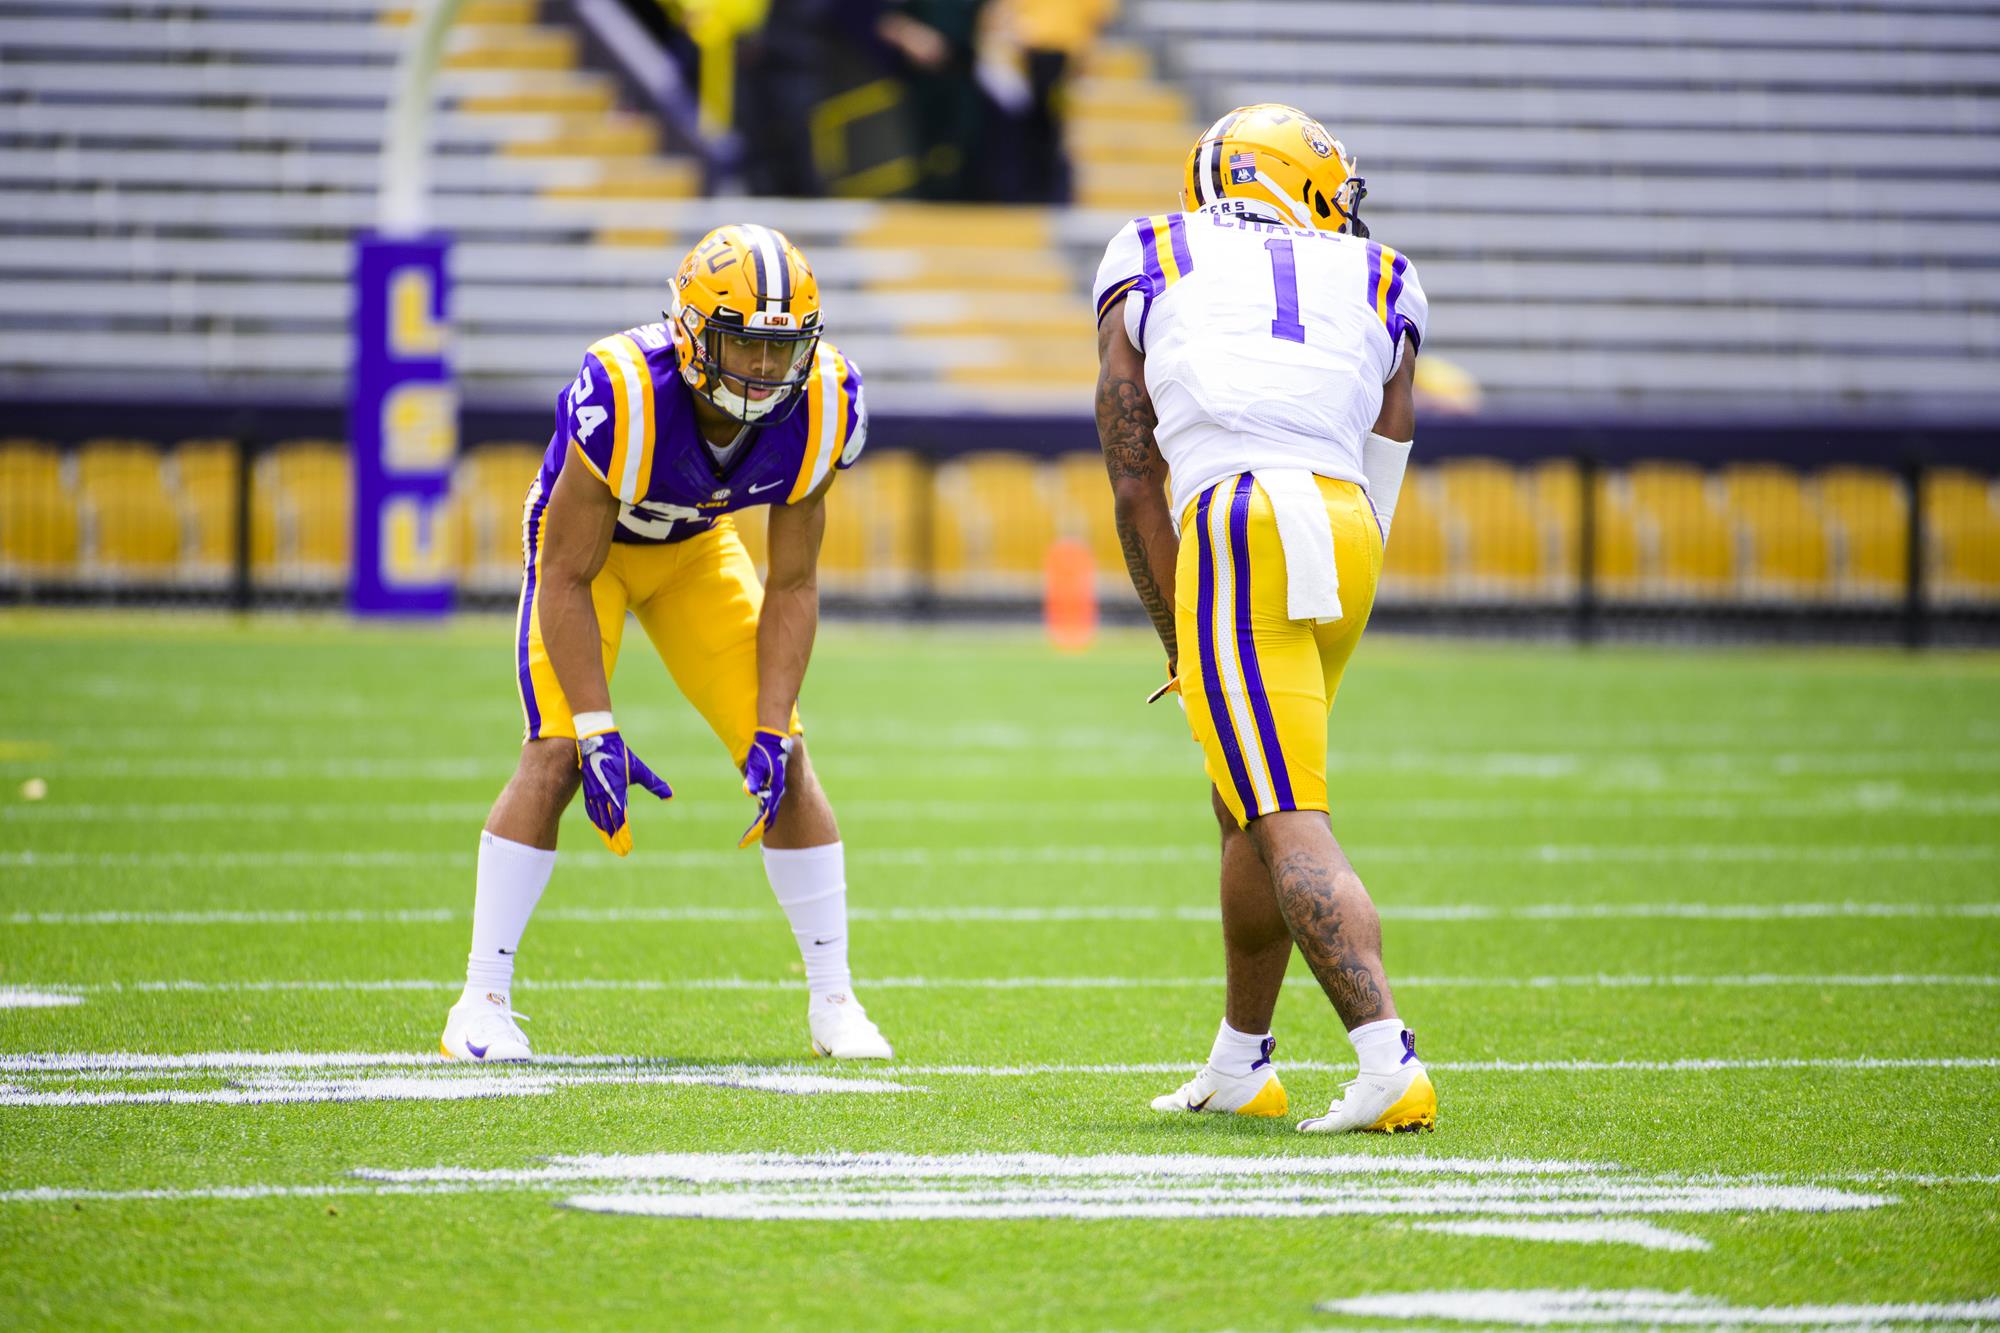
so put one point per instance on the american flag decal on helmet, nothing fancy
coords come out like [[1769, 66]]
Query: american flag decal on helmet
[[1242, 168]]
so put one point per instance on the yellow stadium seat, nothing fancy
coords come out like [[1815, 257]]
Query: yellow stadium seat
[[1499, 540], [202, 476], [1869, 513], [38, 514], [489, 489], [304, 506], [131, 523], [1417, 558], [1785, 536], [1084, 512], [872, 523], [992, 522], [1692, 548], [1963, 521]]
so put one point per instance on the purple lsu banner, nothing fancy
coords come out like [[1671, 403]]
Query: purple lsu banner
[[403, 424]]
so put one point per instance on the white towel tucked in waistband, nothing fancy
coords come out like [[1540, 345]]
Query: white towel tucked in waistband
[[1312, 578]]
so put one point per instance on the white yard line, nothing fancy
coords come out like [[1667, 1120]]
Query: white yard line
[[989, 810], [13, 997], [1006, 915], [1607, 981], [1041, 855], [1643, 1309], [268, 1090], [149, 1064], [1646, 1235], [1121, 754]]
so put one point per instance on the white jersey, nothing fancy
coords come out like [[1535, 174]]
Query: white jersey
[[1266, 345]]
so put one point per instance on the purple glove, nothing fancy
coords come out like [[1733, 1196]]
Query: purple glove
[[608, 769], [764, 779]]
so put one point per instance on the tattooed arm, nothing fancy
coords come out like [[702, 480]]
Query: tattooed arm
[[1125, 424]]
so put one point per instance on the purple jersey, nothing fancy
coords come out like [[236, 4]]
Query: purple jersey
[[629, 417]]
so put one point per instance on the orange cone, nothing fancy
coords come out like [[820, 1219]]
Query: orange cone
[[1069, 595]]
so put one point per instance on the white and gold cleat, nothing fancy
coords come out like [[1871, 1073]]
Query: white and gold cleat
[[841, 1028], [1400, 1103], [483, 1029], [1214, 1093]]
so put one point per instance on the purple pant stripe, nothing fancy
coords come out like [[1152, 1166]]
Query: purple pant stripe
[[1246, 646], [1211, 678], [531, 531]]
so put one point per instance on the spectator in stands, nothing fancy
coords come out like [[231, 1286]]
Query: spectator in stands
[[934, 45], [777, 85], [1044, 41]]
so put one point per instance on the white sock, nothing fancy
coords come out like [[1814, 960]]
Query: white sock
[[512, 876], [810, 883], [1382, 1047], [1237, 1053]]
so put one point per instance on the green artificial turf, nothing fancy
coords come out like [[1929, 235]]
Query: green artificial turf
[[1786, 864]]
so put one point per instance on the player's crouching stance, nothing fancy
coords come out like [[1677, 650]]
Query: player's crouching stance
[[1258, 350], [668, 428]]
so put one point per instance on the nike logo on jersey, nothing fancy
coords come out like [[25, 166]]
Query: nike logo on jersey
[[765, 487]]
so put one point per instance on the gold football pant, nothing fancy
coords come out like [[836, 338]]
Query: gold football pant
[[698, 601], [1259, 685]]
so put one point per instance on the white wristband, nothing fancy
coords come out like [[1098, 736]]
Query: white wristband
[[594, 724], [1382, 462]]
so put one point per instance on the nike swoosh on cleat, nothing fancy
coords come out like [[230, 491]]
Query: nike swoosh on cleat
[[834, 940], [1196, 1106], [479, 1052]]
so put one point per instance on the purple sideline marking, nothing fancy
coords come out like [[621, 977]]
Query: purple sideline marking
[[1246, 646]]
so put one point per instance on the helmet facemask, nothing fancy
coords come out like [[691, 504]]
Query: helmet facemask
[[770, 357]]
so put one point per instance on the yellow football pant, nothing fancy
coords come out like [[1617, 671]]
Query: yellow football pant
[[698, 601], [1259, 685]]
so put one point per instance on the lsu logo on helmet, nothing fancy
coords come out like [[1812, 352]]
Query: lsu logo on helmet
[[1275, 162], [746, 322]]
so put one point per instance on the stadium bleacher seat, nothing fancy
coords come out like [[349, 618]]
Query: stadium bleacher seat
[[1688, 548], [1498, 542], [1084, 513], [489, 488], [202, 477], [992, 525], [1868, 509], [1786, 539], [1964, 532], [1418, 557], [875, 513], [300, 526], [131, 524], [38, 514]]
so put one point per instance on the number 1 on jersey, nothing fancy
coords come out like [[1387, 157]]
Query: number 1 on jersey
[[1285, 278]]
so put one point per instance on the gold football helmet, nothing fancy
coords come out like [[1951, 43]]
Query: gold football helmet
[[1275, 162], [746, 321]]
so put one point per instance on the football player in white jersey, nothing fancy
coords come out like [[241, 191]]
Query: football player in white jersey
[[1256, 355]]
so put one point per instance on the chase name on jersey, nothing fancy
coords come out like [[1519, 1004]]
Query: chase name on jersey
[[629, 418]]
